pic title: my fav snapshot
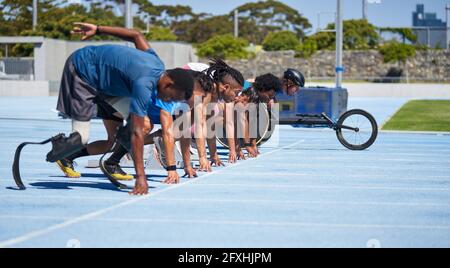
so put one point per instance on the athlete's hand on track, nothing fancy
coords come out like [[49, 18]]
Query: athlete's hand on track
[[241, 156], [215, 161], [251, 153], [86, 30], [255, 148], [140, 187], [205, 166], [172, 178], [232, 157], [190, 173]]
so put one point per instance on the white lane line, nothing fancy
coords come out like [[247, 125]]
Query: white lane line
[[369, 158], [333, 148], [424, 155], [334, 176], [385, 144], [88, 216], [400, 204], [258, 201], [283, 224], [374, 166], [259, 223], [301, 186], [429, 133], [68, 197]]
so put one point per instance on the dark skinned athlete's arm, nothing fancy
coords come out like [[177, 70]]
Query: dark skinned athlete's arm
[[137, 146], [88, 30], [169, 144]]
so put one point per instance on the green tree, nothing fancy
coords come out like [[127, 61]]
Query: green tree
[[284, 40], [306, 49], [171, 14], [256, 20], [17, 15], [397, 52], [358, 34], [405, 33], [260, 18], [160, 34], [223, 46], [58, 22], [55, 20], [323, 40], [200, 30], [56, 17], [163, 15]]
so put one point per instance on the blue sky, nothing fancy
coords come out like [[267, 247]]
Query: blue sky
[[394, 13]]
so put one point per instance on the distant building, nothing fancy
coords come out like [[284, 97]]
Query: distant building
[[434, 32]]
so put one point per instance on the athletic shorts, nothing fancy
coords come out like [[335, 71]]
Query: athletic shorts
[[76, 97], [106, 111], [80, 101]]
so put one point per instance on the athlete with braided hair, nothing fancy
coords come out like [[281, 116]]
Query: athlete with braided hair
[[261, 91], [221, 83]]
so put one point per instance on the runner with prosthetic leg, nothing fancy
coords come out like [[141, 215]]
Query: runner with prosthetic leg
[[95, 74]]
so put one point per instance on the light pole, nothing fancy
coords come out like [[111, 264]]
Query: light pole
[[447, 9], [365, 9], [236, 23], [339, 44], [35, 12], [128, 14]]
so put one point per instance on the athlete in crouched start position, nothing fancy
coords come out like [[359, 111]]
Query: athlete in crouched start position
[[94, 74]]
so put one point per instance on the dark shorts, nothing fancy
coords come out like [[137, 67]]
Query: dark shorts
[[106, 111], [80, 101]]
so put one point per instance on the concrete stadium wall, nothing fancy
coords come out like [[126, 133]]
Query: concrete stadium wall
[[368, 65], [24, 88], [51, 55], [379, 90], [50, 64]]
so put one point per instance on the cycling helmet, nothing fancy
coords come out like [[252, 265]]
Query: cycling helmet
[[295, 76]]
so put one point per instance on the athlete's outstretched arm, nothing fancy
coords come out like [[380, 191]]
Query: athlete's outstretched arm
[[88, 30], [200, 139], [137, 146], [229, 125], [212, 140], [169, 145], [185, 150]]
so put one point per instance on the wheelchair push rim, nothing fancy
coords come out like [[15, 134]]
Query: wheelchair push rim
[[265, 126]]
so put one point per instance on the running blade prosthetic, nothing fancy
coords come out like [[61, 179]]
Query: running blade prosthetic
[[63, 146]]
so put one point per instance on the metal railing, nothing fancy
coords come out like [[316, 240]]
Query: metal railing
[[17, 69]]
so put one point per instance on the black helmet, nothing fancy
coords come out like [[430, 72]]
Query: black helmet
[[295, 76]]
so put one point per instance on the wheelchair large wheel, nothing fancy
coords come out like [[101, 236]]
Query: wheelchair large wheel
[[272, 123], [357, 130], [265, 129]]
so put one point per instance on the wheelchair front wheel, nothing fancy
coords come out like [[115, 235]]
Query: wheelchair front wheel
[[357, 130]]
